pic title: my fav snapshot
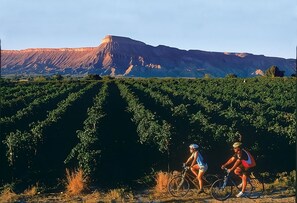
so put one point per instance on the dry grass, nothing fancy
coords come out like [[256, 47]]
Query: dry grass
[[93, 197], [119, 195], [115, 194], [286, 181], [31, 191], [162, 180], [7, 195], [76, 182]]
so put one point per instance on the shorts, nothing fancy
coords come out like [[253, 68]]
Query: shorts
[[244, 170], [203, 168]]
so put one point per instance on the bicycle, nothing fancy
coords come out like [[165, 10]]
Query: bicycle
[[179, 185], [222, 189]]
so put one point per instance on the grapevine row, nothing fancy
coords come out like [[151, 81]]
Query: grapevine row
[[18, 141], [86, 151], [37, 103], [148, 128]]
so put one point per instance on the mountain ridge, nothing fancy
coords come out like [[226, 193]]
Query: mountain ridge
[[123, 56]]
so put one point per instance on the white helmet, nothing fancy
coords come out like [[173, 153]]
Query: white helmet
[[193, 146]]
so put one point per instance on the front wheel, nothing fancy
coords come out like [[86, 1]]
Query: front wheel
[[221, 191], [178, 186]]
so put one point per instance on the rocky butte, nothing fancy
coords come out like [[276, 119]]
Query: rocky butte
[[122, 56]]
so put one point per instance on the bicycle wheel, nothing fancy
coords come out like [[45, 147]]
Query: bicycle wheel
[[178, 186], [254, 188], [219, 191], [208, 179]]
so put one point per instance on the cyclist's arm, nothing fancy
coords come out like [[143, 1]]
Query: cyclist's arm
[[189, 159], [195, 156], [231, 160], [237, 163]]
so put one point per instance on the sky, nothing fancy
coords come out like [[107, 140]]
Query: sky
[[267, 27]]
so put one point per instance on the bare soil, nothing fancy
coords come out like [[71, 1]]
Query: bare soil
[[146, 197]]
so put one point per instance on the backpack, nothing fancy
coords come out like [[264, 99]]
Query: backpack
[[250, 162]]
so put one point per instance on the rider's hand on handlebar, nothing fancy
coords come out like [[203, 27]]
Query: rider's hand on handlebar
[[226, 169]]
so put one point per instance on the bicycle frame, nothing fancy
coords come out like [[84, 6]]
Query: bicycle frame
[[228, 179], [179, 185], [222, 188], [187, 174]]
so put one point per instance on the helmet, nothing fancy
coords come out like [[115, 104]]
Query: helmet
[[237, 144], [194, 146]]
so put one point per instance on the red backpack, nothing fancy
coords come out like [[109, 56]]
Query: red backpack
[[250, 162]]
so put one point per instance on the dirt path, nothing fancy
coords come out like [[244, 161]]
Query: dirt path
[[264, 199], [147, 197]]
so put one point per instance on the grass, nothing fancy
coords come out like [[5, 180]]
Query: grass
[[286, 182], [93, 197], [32, 190], [8, 195], [162, 180], [282, 186], [115, 195], [76, 182]]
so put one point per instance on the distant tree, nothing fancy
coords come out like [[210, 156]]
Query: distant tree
[[207, 76], [231, 75], [57, 77], [93, 77], [274, 71], [39, 79]]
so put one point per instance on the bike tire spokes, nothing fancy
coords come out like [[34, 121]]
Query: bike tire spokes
[[178, 186], [209, 179], [254, 188], [221, 191]]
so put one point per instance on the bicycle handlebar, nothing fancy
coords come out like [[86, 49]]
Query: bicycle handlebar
[[185, 166], [226, 169]]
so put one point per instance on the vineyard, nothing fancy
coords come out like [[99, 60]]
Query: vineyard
[[118, 130]]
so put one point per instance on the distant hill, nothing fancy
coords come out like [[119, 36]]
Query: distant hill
[[117, 56]]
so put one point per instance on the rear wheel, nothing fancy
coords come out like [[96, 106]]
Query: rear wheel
[[178, 186], [254, 188], [221, 191], [208, 179]]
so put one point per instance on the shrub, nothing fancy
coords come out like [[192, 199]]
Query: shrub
[[162, 180], [32, 190], [76, 182], [7, 194]]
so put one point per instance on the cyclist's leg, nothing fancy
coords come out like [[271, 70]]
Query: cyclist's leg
[[202, 170], [255, 187], [244, 182], [195, 169], [243, 174]]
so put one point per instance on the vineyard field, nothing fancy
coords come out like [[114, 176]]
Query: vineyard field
[[117, 130]]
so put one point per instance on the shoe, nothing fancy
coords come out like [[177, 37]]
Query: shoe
[[240, 194], [200, 191], [240, 185]]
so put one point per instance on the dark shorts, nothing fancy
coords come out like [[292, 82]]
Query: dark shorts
[[244, 170]]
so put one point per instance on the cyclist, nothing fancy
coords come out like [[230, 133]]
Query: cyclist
[[198, 166], [243, 161]]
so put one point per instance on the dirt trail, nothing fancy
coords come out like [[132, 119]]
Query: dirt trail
[[147, 197]]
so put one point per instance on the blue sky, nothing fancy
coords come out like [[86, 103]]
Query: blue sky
[[255, 26]]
